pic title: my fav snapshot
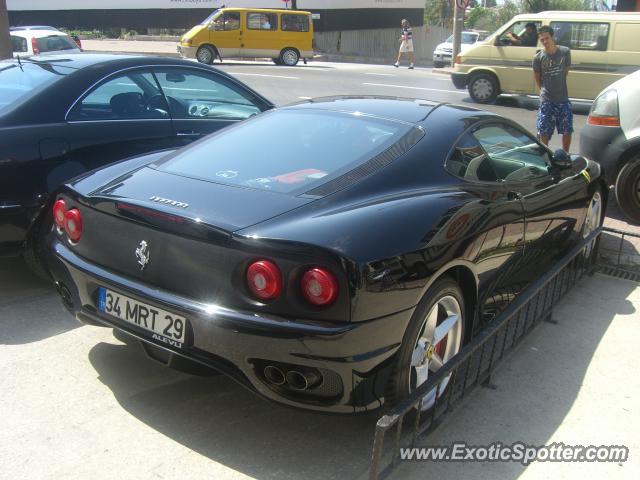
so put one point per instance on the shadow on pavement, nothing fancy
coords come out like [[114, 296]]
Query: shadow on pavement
[[537, 386], [30, 309], [223, 421]]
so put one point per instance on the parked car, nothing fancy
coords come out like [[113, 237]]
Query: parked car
[[334, 274], [61, 116], [286, 36], [443, 53], [27, 41], [603, 50], [74, 37], [612, 137]]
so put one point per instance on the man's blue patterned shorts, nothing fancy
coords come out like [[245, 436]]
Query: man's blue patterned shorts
[[552, 115]]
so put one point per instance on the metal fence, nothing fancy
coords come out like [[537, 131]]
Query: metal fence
[[473, 365]]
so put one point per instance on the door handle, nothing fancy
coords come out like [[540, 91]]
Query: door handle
[[514, 195], [188, 133]]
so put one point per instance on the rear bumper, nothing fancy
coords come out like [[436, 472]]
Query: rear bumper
[[605, 145], [459, 79], [353, 359]]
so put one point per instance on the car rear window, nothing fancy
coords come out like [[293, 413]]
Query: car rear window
[[54, 43], [287, 151], [18, 81]]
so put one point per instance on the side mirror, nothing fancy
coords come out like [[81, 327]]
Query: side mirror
[[561, 159]]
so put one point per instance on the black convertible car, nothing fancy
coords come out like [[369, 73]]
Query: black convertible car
[[336, 273], [61, 116]]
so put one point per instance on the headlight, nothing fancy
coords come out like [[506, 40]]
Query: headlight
[[604, 110]]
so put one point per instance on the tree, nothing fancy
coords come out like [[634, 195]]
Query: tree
[[439, 12], [5, 39]]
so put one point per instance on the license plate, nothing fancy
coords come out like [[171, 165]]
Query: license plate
[[166, 326]]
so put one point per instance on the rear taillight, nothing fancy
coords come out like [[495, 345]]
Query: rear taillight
[[604, 110], [77, 40], [264, 280], [319, 287], [73, 224], [34, 46], [59, 211], [458, 59]]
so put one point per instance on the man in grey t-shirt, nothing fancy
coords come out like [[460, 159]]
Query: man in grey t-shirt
[[550, 69]]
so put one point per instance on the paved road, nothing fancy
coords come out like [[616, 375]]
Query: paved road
[[285, 85]]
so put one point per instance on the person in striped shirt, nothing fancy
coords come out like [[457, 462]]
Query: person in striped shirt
[[406, 44]]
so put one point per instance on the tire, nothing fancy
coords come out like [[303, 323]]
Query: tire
[[627, 193], [206, 55], [483, 88], [417, 357], [33, 253], [289, 57], [438, 64], [593, 219]]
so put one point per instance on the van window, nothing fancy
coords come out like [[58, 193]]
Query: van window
[[262, 21], [227, 21], [626, 33], [519, 35], [295, 23], [581, 35]]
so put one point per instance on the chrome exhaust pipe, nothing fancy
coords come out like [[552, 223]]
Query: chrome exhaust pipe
[[298, 380], [274, 375]]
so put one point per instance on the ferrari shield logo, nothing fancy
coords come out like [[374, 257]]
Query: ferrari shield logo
[[143, 254]]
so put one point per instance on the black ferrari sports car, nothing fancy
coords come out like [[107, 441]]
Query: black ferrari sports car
[[334, 272], [61, 116]]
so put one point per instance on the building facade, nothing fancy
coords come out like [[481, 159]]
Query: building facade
[[141, 15]]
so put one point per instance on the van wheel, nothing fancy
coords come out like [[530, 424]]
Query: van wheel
[[205, 54], [483, 88], [289, 57], [628, 189]]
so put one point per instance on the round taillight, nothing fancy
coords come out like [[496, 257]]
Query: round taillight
[[264, 280], [73, 224], [319, 287], [59, 211]]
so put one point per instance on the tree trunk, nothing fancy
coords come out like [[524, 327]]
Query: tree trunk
[[6, 51]]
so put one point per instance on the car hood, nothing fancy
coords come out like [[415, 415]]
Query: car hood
[[225, 207], [192, 33]]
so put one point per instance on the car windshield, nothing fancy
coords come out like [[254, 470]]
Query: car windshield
[[211, 17], [467, 38], [18, 81], [54, 43], [287, 151]]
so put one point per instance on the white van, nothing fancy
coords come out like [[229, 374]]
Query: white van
[[605, 46]]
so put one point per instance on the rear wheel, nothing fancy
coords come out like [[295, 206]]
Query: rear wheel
[[205, 54], [289, 57], [483, 88], [628, 189], [434, 336]]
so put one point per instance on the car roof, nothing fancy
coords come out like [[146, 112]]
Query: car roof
[[33, 27], [410, 110], [38, 33], [80, 60]]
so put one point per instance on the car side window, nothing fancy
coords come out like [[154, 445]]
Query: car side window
[[514, 155], [581, 35], [262, 21], [19, 44], [470, 162], [521, 34], [194, 94], [134, 95], [228, 21]]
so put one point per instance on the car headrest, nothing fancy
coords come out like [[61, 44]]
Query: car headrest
[[127, 104]]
